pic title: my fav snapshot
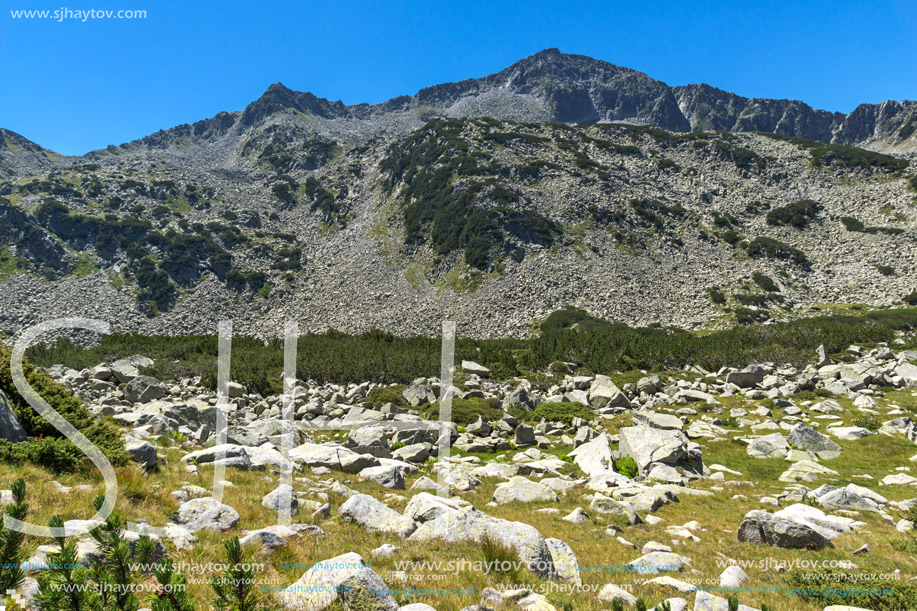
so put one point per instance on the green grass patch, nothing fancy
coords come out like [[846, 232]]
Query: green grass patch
[[84, 266]]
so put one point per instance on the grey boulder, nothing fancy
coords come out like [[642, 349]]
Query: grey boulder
[[760, 527], [522, 490], [647, 446], [425, 507], [806, 438], [343, 578], [142, 452], [418, 394], [389, 476], [206, 513], [375, 516], [605, 393], [226, 454], [469, 524], [282, 499], [144, 389], [768, 446]]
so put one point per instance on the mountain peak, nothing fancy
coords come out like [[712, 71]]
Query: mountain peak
[[277, 88], [551, 52], [279, 98]]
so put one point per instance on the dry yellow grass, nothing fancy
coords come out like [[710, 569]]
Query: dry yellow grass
[[147, 497]]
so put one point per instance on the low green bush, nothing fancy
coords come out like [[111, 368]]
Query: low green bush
[[732, 237], [764, 282], [747, 316], [852, 157], [852, 224], [885, 270], [467, 411], [569, 336], [798, 214], [912, 513], [627, 467], [752, 299], [855, 225], [716, 295], [380, 395], [868, 422], [742, 157], [764, 247], [11, 553], [561, 412], [115, 571]]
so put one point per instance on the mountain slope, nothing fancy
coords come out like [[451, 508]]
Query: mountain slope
[[490, 201], [22, 157], [489, 223]]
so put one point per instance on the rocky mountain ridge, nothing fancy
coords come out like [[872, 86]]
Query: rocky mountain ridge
[[554, 86], [402, 214]]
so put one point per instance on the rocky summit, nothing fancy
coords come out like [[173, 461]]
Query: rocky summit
[[561, 180]]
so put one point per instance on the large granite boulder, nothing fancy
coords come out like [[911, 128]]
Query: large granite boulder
[[594, 456], [424, 507], [604, 393], [344, 579], [226, 454], [469, 524], [282, 499], [10, 428], [648, 445], [760, 527], [523, 490], [144, 389], [206, 513], [807, 438], [141, 451], [375, 516], [418, 394], [768, 446]]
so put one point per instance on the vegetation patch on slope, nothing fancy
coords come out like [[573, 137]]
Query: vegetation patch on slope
[[568, 335], [46, 446]]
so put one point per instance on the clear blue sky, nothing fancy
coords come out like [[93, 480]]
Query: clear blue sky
[[75, 86]]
